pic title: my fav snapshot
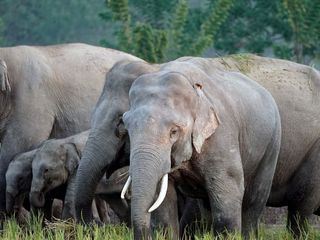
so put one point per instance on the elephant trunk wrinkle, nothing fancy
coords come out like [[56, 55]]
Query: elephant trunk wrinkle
[[147, 167], [98, 151], [37, 199]]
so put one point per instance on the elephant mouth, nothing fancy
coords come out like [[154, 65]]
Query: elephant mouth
[[37, 199]]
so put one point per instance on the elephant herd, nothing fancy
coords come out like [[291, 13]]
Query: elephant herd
[[162, 145]]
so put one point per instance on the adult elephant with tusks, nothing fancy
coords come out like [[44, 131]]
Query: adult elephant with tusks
[[225, 124], [47, 92], [108, 146]]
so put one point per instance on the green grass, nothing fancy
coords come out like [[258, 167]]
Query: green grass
[[69, 231]]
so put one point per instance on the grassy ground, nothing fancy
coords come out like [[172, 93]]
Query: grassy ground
[[66, 231]]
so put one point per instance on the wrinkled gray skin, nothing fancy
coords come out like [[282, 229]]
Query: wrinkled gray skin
[[110, 190], [107, 148], [18, 179], [164, 217], [41, 89], [296, 90], [55, 164], [105, 140], [224, 123]]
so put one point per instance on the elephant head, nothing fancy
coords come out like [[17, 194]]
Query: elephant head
[[169, 116], [107, 136], [54, 162], [18, 179]]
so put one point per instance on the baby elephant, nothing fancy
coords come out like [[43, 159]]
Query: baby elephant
[[18, 184], [18, 180], [54, 167]]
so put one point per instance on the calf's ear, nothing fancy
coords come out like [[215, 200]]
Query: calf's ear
[[73, 157]]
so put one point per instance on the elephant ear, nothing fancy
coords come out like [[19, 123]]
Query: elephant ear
[[73, 158], [206, 120], [4, 79]]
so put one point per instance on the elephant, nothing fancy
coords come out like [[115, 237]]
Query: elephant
[[54, 168], [48, 92], [108, 133], [225, 124], [107, 141], [18, 182], [295, 88], [110, 190]]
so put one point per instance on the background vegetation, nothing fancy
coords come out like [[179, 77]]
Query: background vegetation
[[164, 30], [70, 231]]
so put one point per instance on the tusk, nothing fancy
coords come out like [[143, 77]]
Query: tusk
[[162, 194], [125, 187]]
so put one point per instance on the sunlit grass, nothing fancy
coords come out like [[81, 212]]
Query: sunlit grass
[[61, 230]]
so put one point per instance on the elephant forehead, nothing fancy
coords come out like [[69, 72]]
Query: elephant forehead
[[167, 90]]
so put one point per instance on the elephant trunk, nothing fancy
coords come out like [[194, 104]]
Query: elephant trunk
[[37, 199], [99, 151], [36, 196], [146, 170]]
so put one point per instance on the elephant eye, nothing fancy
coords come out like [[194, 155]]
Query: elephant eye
[[174, 133]]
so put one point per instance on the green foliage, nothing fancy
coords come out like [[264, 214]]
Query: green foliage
[[48, 22], [144, 41], [287, 29], [217, 15], [69, 231], [1, 31], [148, 36], [304, 21]]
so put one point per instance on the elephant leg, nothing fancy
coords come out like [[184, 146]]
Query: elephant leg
[[297, 222], [120, 207], [102, 208], [166, 216], [257, 193], [23, 216], [57, 207], [224, 182], [47, 209], [190, 215], [95, 213], [21, 213], [303, 193]]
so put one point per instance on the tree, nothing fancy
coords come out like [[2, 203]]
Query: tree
[[304, 21], [49, 22], [156, 39], [287, 29]]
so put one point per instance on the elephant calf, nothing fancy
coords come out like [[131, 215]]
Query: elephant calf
[[54, 167], [18, 182]]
